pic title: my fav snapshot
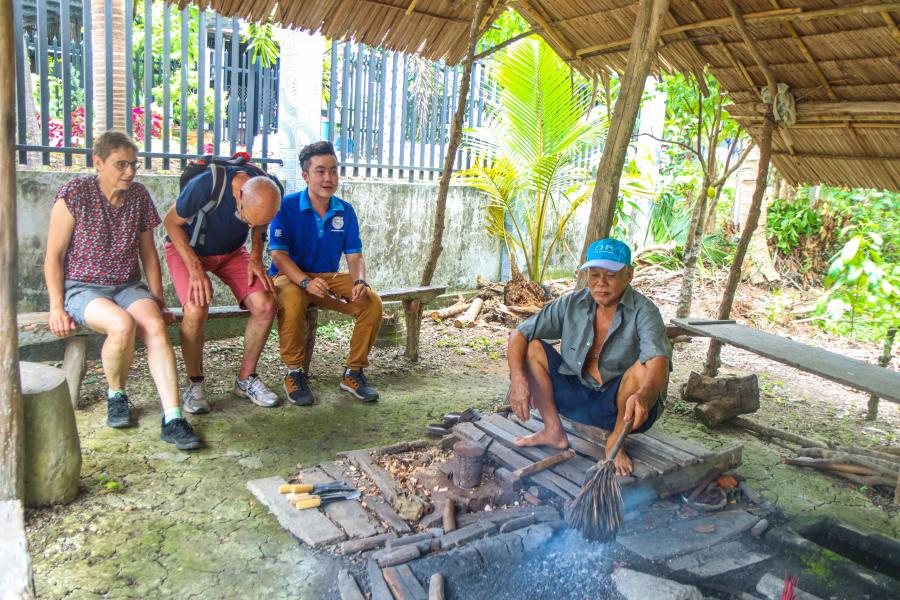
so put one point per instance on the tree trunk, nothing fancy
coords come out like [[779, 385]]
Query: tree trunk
[[450, 157], [11, 417], [711, 367], [102, 47], [692, 251], [761, 266], [641, 53]]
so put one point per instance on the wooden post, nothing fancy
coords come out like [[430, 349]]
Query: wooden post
[[644, 39], [414, 311], [15, 563], [872, 413], [711, 367], [11, 425]]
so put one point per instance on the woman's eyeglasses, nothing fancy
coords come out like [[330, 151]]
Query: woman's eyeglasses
[[122, 165]]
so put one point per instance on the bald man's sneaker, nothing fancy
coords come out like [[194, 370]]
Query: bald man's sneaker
[[355, 383]]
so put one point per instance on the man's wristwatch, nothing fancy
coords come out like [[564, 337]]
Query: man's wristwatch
[[361, 281], [305, 283]]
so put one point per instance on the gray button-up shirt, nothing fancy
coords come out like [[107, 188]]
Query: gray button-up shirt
[[637, 333]]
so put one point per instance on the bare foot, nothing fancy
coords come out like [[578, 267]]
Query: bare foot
[[544, 438]]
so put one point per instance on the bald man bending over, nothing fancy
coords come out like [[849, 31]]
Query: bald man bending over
[[250, 201]]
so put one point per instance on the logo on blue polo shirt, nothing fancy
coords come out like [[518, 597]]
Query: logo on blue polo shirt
[[337, 222]]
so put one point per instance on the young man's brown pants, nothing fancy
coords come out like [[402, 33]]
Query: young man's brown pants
[[292, 302]]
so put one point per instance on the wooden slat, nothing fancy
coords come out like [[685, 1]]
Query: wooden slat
[[348, 514], [641, 462], [512, 460], [374, 503], [856, 374], [676, 455], [310, 526], [677, 442], [380, 477], [404, 584], [505, 432]]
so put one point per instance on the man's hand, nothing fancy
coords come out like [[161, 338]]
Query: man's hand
[[199, 287], [359, 292], [520, 397], [256, 269], [637, 408], [318, 287], [167, 316], [61, 324]]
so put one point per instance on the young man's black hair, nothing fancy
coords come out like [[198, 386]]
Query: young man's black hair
[[322, 148]]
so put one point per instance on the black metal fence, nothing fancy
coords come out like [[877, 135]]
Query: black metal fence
[[208, 97], [388, 113]]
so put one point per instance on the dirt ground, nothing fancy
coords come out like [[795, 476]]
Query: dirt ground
[[154, 522]]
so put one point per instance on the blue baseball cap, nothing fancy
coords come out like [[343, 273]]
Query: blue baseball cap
[[609, 254]]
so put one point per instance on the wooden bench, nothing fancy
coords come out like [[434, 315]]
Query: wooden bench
[[34, 329], [853, 373]]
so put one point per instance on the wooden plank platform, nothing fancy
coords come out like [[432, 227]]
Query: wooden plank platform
[[883, 382], [349, 515], [309, 526], [662, 462]]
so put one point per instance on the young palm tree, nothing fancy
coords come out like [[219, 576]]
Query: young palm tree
[[531, 156]]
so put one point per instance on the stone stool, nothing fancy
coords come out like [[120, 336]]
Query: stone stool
[[52, 450]]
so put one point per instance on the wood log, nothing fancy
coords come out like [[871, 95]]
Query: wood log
[[884, 453], [875, 464], [527, 310], [449, 516], [870, 481], [721, 398], [450, 311], [544, 464], [471, 313], [75, 365], [777, 433], [486, 287], [829, 465], [436, 587]]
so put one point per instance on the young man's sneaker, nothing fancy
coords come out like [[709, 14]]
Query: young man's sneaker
[[118, 414], [296, 386], [355, 383], [179, 432], [256, 391], [192, 400]]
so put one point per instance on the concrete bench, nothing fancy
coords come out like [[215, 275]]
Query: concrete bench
[[34, 330]]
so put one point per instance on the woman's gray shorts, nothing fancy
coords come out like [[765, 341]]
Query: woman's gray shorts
[[78, 294]]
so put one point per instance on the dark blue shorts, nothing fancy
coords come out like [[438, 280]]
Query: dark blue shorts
[[583, 404]]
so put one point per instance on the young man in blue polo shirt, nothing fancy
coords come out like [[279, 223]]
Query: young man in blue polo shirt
[[613, 359], [307, 238]]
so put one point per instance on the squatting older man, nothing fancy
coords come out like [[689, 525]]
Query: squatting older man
[[613, 359]]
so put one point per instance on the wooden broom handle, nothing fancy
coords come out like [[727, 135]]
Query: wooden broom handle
[[626, 429]]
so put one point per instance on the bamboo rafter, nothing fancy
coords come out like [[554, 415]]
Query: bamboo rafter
[[804, 49], [775, 15]]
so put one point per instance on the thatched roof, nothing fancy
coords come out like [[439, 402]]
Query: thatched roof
[[840, 59]]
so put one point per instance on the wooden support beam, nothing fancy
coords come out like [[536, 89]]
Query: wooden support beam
[[414, 309], [767, 16], [763, 66], [764, 141], [892, 26], [11, 416], [893, 159], [641, 54], [411, 7], [545, 27], [804, 49], [825, 109]]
